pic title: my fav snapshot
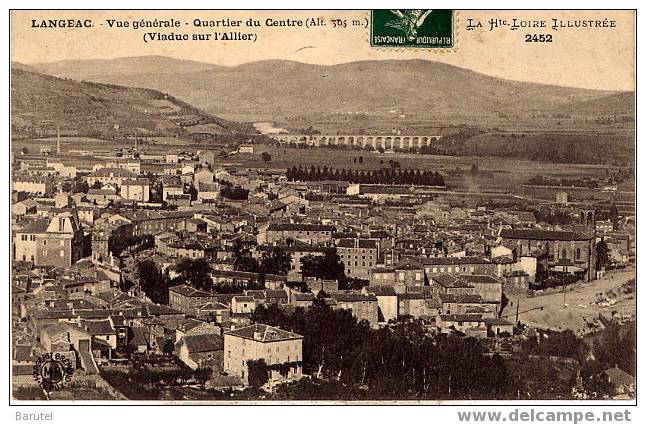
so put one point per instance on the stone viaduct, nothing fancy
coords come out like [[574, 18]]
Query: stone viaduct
[[359, 140]]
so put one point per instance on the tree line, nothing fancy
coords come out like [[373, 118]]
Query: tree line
[[389, 363], [380, 176]]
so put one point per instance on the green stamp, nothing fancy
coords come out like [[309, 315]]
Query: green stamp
[[420, 28]]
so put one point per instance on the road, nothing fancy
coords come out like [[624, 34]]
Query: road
[[574, 308]]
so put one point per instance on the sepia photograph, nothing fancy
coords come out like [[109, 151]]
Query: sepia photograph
[[387, 206]]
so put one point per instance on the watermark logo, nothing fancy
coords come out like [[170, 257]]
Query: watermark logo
[[52, 371]]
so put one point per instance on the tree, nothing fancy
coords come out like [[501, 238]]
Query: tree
[[24, 151], [602, 254], [196, 273], [275, 261], [152, 282], [266, 156], [258, 372], [169, 348], [234, 193], [327, 266]]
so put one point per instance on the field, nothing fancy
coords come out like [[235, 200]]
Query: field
[[574, 308], [498, 174], [507, 173]]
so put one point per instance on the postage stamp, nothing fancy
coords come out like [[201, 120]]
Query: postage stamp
[[419, 28]]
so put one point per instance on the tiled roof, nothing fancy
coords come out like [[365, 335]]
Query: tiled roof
[[450, 281], [99, 327], [479, 278], [265, 333], [203, 343], [357, 243], [300, 227], [548, 235], [449, 261], [353, 297]]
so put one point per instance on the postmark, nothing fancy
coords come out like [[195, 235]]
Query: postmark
[[418, 28], [52, 371]]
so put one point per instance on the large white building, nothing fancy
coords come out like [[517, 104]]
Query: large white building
[[255, 342]]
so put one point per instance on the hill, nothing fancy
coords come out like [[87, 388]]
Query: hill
[[40, 103], [93, 69], [614, 104], [276, 89]]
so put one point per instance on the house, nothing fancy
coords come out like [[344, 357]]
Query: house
[[243, 304], [27, 206], [188, 300], [213, 311], [35, 185], [138, 339], [363, 306], [101, 329], [281, 350], [110, 175], [450, 284], [171, 187], [487, 286], [359, 256], [387, 302], [308, 233], [137, 190], [471, 324], [464, 303], [56, 242], [462, 265], [208, 191], [24, 240], [64, 336], [102, 196], [201, 351], [317, 285], [516, 280], [204, 175], [503, 265], [303, 300], [418, 305], [192, 326]]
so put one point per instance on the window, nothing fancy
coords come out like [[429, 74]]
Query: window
[[44, 243], [62, 253], [578, 253]]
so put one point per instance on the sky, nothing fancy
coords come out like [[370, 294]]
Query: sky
[[595, 58]]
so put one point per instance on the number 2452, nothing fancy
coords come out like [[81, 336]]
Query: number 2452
[[538, 38]]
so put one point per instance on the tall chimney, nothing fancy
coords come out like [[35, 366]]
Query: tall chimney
[[58, 139]]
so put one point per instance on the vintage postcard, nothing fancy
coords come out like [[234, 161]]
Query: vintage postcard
[[323, 206]]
